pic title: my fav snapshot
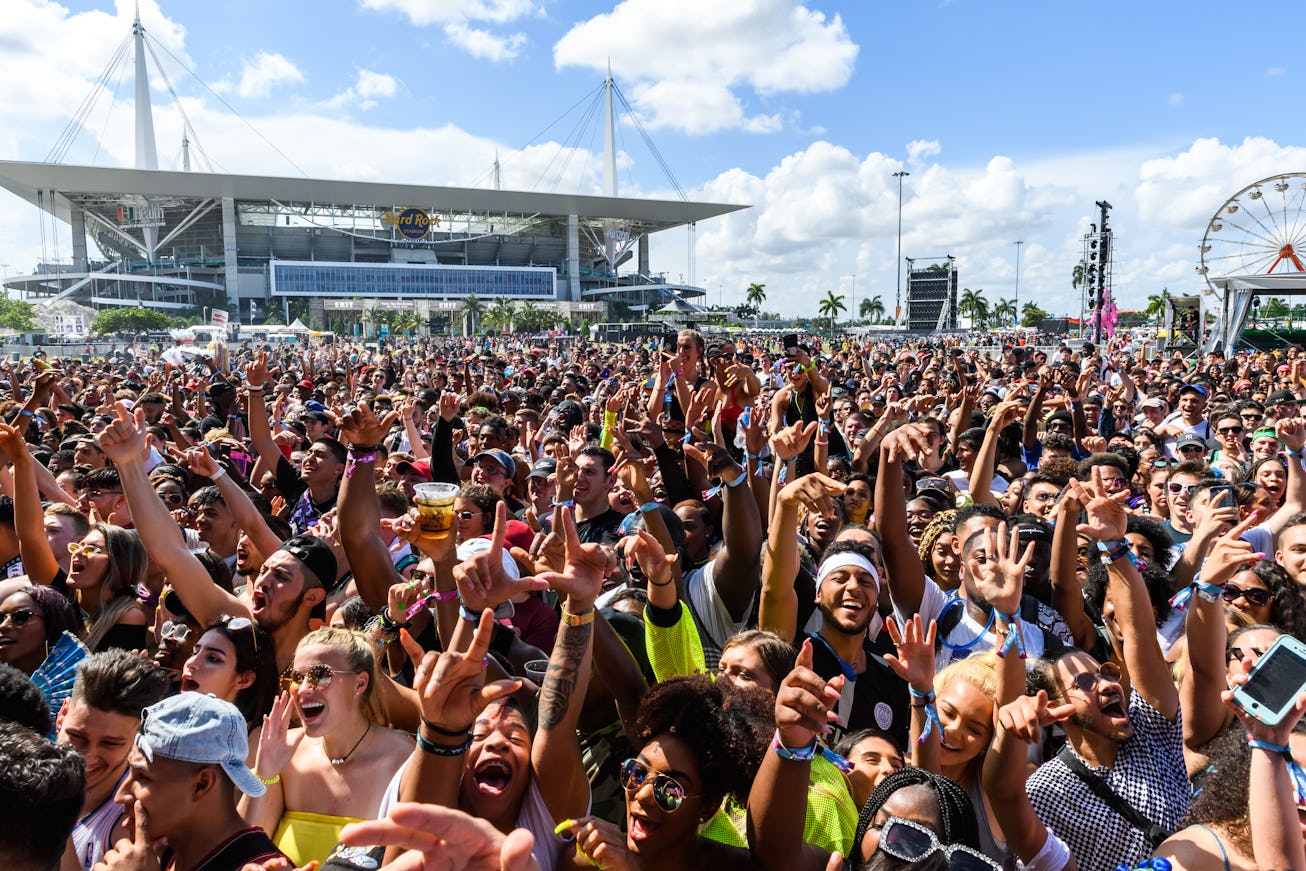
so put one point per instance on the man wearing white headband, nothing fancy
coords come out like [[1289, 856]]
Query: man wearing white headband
[[847, 594]]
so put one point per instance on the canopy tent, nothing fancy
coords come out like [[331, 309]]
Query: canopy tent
[[1239, 291], [680, 306]]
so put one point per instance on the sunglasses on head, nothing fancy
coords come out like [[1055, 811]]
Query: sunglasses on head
[[1086, 681], [18, 618], [912, 842], [318, 676], [1163, 462], [1253, 595], [667, 791]]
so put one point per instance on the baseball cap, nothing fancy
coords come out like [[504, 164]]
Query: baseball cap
[[417, 467], [306, 384], [194, 727], [1189, 439], [315, 554], [543, 468], [314, 405], [1194, 388], [319, 416], [502, 458], [1152, 402], [1285, 396]]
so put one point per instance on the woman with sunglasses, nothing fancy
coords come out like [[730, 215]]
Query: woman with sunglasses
[[104, 572], [234, 661], [804, 707], [1265, 594], [31, 622], [341, 763]]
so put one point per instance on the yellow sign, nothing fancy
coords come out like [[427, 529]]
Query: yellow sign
[[411, 223]]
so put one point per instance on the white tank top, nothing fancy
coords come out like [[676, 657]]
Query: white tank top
[[93, 832]]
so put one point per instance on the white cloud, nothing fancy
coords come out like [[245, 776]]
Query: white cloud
[[773, 47], [920, 149], [1175, 99], [1275, 71], [457, 17], [365, 92], [483, 44], [265, 72]]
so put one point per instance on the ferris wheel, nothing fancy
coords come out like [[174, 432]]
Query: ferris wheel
[[1261, 230]]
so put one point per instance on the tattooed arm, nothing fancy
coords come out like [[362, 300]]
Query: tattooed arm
[[555, 752]]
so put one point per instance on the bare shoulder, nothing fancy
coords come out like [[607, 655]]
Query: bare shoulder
[[1195, 849]]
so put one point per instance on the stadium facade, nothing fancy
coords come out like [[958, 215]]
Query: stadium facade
[[180, 239]]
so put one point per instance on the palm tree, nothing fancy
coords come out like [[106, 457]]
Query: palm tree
[[1004, 313], [756, 296], [974, 306], [471, 311], [831, 306], [499, 317], [872, 309], [1077, 275], [405, 322], [529, 316], [1156, 305]]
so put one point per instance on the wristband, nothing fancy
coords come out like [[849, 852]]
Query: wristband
[[440, 750], [358, 458], [1015, 637], [1113, 550], [25, 413], [649, 507], [582, 619], [470, 616], [1298, 775], [448, 733], [268, 781], [569, 503], [800, 754], [389, 626], [932, 721], [820, 443], [1292, 453], [216, 476], [743, 476]]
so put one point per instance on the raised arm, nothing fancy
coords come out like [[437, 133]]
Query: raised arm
[[1067, 590], [986, 461], [1147, 667], [1292, 433], [778, 609], [39, 562], [260, 429], [737, 564], [360, 517], [247, 516], [905, 572], [124, 443], [1034, 414]]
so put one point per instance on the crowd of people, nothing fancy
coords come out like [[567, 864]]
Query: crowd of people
[[728, 603]]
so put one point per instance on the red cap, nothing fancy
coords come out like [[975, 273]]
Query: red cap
[[420, 467], [519, 534], [306, 384]]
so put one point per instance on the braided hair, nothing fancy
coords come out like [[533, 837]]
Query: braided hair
[[956, 814]]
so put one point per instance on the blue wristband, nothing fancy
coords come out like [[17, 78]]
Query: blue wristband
[[570, 503], [470, 616]]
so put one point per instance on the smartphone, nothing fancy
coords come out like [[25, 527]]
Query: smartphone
[[1216, 497], [241, 461], [790, 344], [1276, 681], [669, 342]]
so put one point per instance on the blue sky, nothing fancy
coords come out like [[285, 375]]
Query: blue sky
[[1012, 118]]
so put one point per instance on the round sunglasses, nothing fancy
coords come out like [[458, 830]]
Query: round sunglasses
[[1086, 681], [317, 677], [667, 791]]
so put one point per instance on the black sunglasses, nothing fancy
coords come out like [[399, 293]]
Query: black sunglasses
[[1254, 595], [18, 618], [1086, 681]]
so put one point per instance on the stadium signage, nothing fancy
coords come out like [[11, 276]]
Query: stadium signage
[[412, 224]]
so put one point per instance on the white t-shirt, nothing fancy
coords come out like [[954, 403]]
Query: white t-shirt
[[933, 602]]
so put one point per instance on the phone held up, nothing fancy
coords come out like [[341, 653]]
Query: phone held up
[[1275, 682]]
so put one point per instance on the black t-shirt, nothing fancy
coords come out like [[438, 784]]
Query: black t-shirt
[[241, 849], [601, 529], [879, 696]]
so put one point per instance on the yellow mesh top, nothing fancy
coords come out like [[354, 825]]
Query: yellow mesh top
[[676, 650]]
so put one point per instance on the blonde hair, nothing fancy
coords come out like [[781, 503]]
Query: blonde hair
[[359, 653], [980, 671]]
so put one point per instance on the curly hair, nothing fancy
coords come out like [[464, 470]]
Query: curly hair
[[956, 813], [1287, 607], [726, 727]]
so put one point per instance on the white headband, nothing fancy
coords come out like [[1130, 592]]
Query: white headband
[[843, 560]]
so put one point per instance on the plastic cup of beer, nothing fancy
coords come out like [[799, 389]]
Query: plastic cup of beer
[[536, 669], [435, 508]]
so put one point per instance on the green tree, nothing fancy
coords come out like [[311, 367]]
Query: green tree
[[136, 319], [1031, 315], [528, 319], [500, 316], [974, 306], [405, 322], [872, 309], [1004, 313], [17, 315], [471, 311], [831, 306], [1077, 275], [756, 296], [1155, 309]]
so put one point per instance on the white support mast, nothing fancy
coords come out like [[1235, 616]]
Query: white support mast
[[609, 169], [147, 156]]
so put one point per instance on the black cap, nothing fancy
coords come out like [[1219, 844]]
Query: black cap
[[316, 556]]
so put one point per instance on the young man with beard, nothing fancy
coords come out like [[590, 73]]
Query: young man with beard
[[289, 589], [312, 492], [847, 596], [1134, 743], [99, 721], [965, 628]]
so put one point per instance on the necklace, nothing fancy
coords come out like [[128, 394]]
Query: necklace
[[343, 759]]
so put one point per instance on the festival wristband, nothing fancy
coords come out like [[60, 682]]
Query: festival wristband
[[1298, 775], [800, 754], [434, 749], [216, 476], [1015, 637], [649, 507], [931, 713]]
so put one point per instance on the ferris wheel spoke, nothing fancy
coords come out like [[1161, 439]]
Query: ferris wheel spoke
[[1261, 265], [1269, 230], [1268, 240]]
